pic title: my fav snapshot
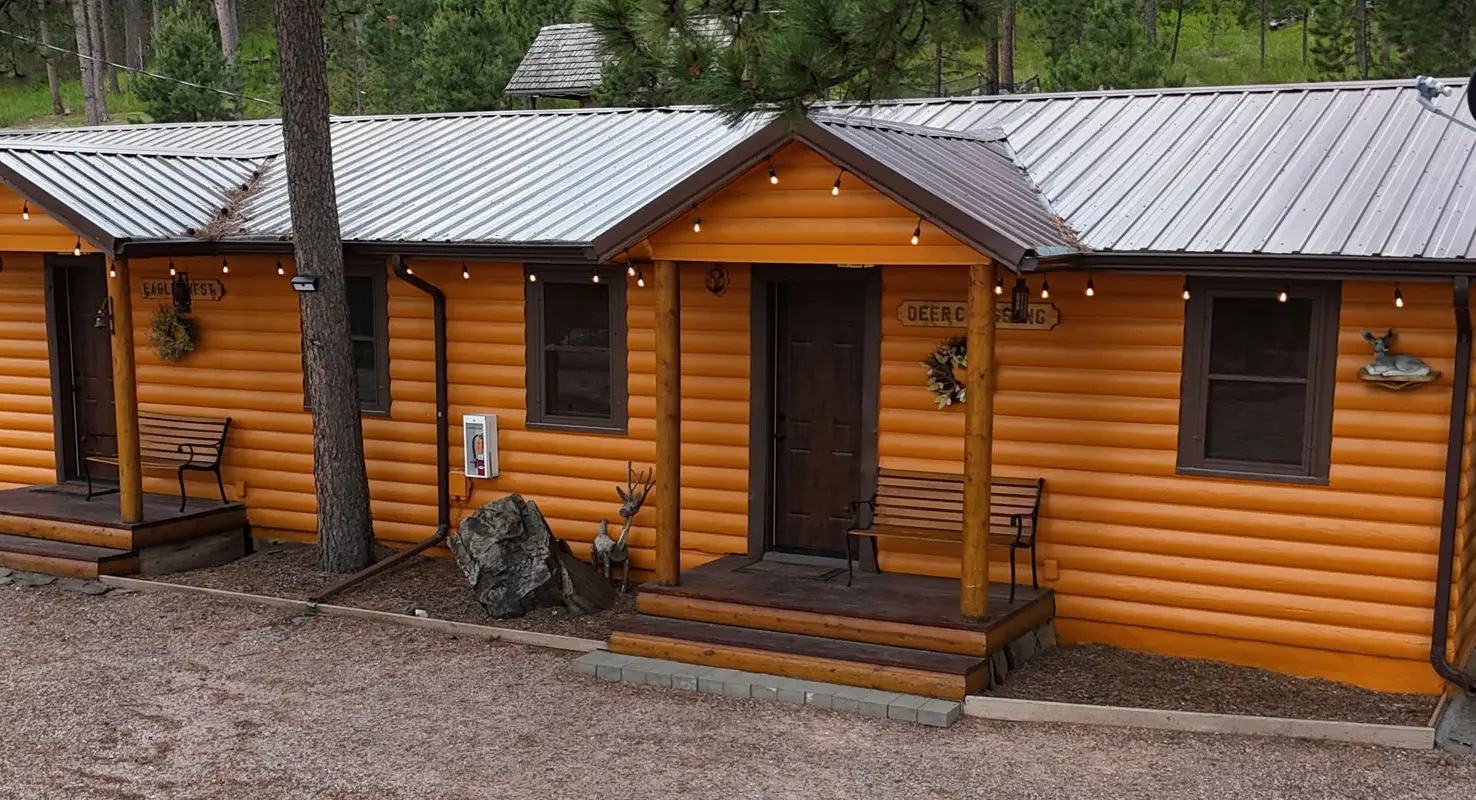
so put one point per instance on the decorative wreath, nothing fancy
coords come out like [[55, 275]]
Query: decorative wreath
[[171, 335], [947, 389]]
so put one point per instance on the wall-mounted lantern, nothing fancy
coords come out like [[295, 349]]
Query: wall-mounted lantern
[[1020, 301], [103, 319], [180, 293], [305, 283]]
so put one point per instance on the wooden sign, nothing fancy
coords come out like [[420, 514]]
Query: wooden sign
[[951, 314], [163, 289]]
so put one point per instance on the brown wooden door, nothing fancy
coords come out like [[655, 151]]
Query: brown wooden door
[[85, 362], [818, 368]]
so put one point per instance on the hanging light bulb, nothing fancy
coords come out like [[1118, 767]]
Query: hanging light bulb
[[596, 277], [1281, 298], [465, 273], [225, 266], [640, 279], [917, 231], [112, 270], [773, 176], [1045, 289], [77, 248], [173, 271], [25, 210], [280, 270], [1091, 287], [630, 270], [532, 277], [835, 188], [697, 225], [1186, 288], [1398, 297], [999, 287]]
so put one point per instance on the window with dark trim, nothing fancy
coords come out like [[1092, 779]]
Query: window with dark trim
[[368, 302], [1258, 380], [576, 348]]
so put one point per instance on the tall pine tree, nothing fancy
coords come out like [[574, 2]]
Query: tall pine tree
[[1433, 37], [1333, 30], [186, 48], [1093, 44]]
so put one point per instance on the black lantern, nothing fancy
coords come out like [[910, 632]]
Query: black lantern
[[1020, 301], [179, 291]]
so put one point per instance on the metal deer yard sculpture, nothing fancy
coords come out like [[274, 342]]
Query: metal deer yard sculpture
[[612, 551]]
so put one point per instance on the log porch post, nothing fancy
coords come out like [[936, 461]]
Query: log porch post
[[125, 393], [668, 423], [978, 442]]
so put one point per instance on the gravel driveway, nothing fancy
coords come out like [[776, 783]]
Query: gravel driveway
[[172, 697]]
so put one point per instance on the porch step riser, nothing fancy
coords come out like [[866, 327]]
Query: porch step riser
[[789, 665], [66, 567], [806, 623], [75, 533]]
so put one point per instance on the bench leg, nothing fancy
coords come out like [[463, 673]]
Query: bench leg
[[220, 484], [1034, 579], [850, 571], [183, 498], [87, 473], [1012, 574]]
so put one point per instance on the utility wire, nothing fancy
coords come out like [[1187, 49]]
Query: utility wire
[[135, 71]]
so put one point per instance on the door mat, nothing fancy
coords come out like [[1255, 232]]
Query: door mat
[[804, 572]]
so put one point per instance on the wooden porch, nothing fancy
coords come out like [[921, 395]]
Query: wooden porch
[[55, 530], [890, 631]]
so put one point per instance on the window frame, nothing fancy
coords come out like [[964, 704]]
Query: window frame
[[380, 405], [1322, 358], [613, 279]]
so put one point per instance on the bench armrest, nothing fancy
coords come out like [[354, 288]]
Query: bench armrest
[[862, 521], [211, 454], [1018, 522]]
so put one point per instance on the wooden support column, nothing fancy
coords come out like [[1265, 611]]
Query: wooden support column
[[668, 423], [978, 442], [125, 393]]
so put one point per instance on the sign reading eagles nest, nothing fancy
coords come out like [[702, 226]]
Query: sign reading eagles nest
[[951, 314], [163, 289]]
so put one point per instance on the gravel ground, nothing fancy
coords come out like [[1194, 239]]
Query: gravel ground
[[433, 584], [1102, 675], [166, 696]]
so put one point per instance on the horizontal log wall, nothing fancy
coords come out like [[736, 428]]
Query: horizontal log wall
[[1335, 581], [27, 447], [39, 234]]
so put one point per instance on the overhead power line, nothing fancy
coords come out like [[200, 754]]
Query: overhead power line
[[136, 71]]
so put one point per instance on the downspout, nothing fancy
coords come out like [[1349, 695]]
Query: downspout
[[1461, 384], [443, 443]]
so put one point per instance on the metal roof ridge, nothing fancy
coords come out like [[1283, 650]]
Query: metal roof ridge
[[121, 150], [990, 134]]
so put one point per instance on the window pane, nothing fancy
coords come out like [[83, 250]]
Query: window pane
[[1260, 336], [366, 368], [1262, 422], [361, 305], [577, 383], [576, 314]]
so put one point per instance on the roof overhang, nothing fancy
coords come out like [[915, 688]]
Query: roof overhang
[[1268, 265], [57, 210]]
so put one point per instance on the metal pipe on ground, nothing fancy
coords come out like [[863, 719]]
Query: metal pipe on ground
[[443, 444], [1461, 384]]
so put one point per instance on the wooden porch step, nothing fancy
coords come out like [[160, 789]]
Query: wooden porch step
[[83, 533], [874, 666], [815, 623], [64, 559]]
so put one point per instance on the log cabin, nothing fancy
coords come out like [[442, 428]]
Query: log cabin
[[1148, 413]]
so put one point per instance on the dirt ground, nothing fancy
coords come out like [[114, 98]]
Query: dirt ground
[[1102, 675], [432, 584], [167, 696]]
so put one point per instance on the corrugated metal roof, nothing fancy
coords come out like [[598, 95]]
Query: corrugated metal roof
[[1338, 169], [973, 172], [564, 60], [223, 138]]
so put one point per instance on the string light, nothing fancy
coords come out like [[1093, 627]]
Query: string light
[[225, 266], [835, 188], [1398, 297], [25, 210], [773, 176], [640, 279], [112, 270], [596, 276], [1091, 287], [532, 277], [1281, 298], [999, 286], [280, 270], [697, 225], [465, 273], [173, 271], [630, 270], [409, 270], [1045, 289], [1186, 288], [77, 248], [917, 231]]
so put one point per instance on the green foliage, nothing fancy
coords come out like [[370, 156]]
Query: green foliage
[[171, 335], [187, 48], [1334, 34], [392, 37], [1092, 44], [469, 49], [1433, 37]]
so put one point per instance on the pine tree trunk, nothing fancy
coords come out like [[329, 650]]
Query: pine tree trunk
[[84, 63], [230, 31], [1360, 36], [1265, 21], [99, 58], [937, 70], [1007, 46], [1306, 21], [1178, 29], [156, 18], [43, 29], [110, 44], [345, 527], [1150, 19], [991, 63], [133, 33]]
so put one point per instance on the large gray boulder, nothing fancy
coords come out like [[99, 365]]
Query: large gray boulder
[[514, 564]]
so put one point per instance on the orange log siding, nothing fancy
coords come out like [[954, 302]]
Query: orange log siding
[[27, 452]]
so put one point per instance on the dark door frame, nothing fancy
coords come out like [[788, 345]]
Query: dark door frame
[[59, 356], [761, 384]]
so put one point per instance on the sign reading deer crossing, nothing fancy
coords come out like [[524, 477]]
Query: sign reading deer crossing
[[953, 314], [163, 289]]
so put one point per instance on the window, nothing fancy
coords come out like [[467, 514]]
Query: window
[[1258, 380], [576, 349], [368, 301]]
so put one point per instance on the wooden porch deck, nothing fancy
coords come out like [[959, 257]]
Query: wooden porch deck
[[55, 530], [886, 631]]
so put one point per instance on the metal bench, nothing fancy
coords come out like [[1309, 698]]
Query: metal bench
[[171, 442], [928, 506]]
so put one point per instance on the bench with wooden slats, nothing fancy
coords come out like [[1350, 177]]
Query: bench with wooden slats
[[928, 506], [173, 442]]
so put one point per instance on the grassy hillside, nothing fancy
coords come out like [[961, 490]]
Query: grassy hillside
[[1233, 58]]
